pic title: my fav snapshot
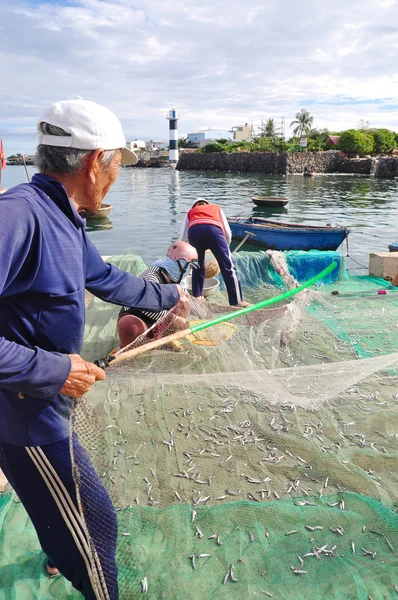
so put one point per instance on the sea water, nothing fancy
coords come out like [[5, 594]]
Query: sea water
[[149, 206]]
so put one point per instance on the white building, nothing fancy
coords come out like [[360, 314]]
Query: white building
[[201, 138], [136, 145]]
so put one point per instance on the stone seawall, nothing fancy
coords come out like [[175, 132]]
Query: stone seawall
[[272, 163], [244, 162]]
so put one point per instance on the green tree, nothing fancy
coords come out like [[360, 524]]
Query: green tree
[[268, 130], [384, 140], [183, 143], [353, 141], [302, 124], [213, 147]]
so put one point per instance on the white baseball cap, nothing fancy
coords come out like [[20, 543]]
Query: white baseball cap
[[91, 126], [200, 200]]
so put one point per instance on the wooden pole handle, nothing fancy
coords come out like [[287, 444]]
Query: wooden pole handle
[[178, 335]]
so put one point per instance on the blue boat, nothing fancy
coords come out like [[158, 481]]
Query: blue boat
[[286, 236]]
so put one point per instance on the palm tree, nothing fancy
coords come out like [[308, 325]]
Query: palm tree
[[303, 123], [269, 130]]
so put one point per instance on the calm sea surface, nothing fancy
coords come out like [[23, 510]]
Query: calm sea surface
[[149, 206]]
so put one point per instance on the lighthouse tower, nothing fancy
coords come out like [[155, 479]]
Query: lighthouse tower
[[173, 137]]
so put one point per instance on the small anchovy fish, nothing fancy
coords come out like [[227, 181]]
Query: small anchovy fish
[[213, 536], [353, 547], [144, 585], [298, 571], [125, 533], [291, 532], [193, 560], [231, 573], [199, 533], [301, 561], [264, 593], [226, 577], [390, 545], [369, 553], [219, 542], [204, 555], [316, 528], [338, 530]]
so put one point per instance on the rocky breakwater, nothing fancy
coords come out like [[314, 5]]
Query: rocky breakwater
[[154, 162], [271, 163], [387, 167], [328, 162]]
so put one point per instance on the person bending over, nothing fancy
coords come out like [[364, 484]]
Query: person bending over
[[206, 228]]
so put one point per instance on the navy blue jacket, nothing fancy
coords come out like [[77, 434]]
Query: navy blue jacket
[[46, 263]]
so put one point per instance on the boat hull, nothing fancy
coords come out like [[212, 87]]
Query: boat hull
[[97, 214], [269, 201], [272, 236]]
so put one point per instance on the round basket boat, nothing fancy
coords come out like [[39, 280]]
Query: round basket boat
[[269, 201], [97, 214], [211, 285], [393, 247]]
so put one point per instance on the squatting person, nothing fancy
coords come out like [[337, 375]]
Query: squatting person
[[133, 322], [46, 264]]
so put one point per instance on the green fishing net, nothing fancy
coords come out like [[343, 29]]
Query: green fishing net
[[262, 467]]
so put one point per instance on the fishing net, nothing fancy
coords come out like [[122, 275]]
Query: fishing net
[[262, 465]]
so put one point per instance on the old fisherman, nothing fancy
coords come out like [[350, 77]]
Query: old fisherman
[[46, 264]]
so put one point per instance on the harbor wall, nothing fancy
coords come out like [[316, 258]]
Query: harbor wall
[[272, 163]]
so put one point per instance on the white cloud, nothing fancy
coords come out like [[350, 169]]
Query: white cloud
[[219, 62]]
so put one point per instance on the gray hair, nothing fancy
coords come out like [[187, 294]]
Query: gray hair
[[54, 159]]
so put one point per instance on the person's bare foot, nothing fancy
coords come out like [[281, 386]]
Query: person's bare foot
[[395, 280], [51, 570], [242, 304]]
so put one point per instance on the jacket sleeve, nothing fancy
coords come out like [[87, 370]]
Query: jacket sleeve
[[32, 371], [227, 229], [114, 285], [184, 230]]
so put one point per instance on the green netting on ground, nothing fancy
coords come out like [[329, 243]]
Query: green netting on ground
[[282, 427], [251, 536], [360, 316], [22, 562]]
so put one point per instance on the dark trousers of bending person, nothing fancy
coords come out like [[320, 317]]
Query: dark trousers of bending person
[[211, 237]]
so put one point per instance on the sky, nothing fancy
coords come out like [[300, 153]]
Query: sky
[[220, 63]]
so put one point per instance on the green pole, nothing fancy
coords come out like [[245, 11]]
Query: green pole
[[264, 303]]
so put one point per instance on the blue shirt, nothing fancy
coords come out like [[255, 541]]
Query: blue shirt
[[46, 263]]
